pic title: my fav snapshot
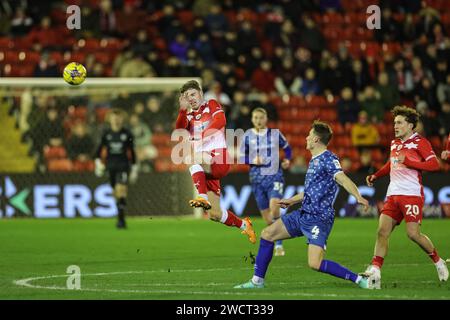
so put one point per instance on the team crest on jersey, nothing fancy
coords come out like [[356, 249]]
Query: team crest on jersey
[[411, 145], [393, 147], [337, 164]]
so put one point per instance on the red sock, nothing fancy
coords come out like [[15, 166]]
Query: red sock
[[199, 179], [230, 219], [377, 261], [434, 256]]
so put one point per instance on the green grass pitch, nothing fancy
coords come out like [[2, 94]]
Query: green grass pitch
[[183, 258]]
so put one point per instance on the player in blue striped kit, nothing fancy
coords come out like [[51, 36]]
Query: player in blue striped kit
[[260, 149], [315, 218]]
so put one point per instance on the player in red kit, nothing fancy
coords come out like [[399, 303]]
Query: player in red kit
[[445, 155], [410, 155], [205, 121]]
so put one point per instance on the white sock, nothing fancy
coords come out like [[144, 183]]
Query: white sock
[[440, 262], [257, 280], [358, 279], [224, 216], [243, 225]]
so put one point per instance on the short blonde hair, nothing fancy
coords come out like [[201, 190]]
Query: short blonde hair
[[259, 109]]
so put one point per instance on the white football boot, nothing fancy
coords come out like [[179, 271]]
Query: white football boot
[[373, 275], [442, 270]]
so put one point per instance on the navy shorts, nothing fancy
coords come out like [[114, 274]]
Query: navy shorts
[[263, 192], [299, 223]]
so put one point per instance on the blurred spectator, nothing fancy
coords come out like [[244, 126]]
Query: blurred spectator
[[136, 67], [346, 164], [179, 47], [129, 20], [204, 48], [390, 28], [388, 93], [403, 78], [80, 147], [232, 114], [216, 22], [366, 163], [263, 79], [443, 90], [215, 92], [425, 91], [141, 45], [244, 120], [298, 166], [145, 151], [311, 37], [409, 30], [46, 67], [287, 81], [310, 85], [48, 132], [371, 103], [360, 77], [428, 18], [246, 37], [154, 116], [430, 123], [332, 79], [107, 18], [347, 107], [21, 23], [44, 36], [444, 119], [364, 134], [288, 37], [303, 60]]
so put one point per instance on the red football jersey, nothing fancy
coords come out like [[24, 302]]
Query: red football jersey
[[199, 121], [404, 180]]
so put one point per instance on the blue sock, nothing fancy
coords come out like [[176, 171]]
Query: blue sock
[[278, 242], [263, 258], [337, 270]]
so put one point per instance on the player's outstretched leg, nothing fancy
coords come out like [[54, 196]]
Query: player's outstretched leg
[[316, 262]]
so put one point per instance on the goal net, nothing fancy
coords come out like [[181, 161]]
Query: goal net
[[51, 131]]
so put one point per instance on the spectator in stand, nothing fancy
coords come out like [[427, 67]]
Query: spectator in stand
[[129, 20], [287, 81], [48, 132], [409, 29], [146, 153], [360, 77], [80, 147], [390, 30], [443, 90], [429, 17], [310, 85], [365, 162], [388, 93], [141, 46], [204, 48], [346, 164], [136, 67], [45, 36], [247, 37], [364, 134], [107, 18], [331, 78], [403, 78], [441, 70], [21, 23], [371, 103], [288, 37], [179, 47], [311, 37], [232, 114], [430, 123], [216, 21], [298, 166], [244, 120], [303, 60], [155, 116], [426, 91], [215, 92], [46, 67], [263, 79], [347, 107], [444, 119]]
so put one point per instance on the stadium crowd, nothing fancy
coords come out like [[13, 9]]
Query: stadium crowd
[[248, 54]]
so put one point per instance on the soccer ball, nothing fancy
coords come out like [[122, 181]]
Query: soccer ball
[[74, 73]]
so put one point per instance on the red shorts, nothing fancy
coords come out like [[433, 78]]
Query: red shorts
[[219, 169], [407, 207]]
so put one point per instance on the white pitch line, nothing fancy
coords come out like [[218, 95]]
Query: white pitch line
[[26, 283]]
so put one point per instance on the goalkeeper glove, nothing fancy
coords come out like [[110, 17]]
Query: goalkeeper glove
[[99, 168]]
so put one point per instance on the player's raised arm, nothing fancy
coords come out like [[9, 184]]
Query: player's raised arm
[[351, 188]]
